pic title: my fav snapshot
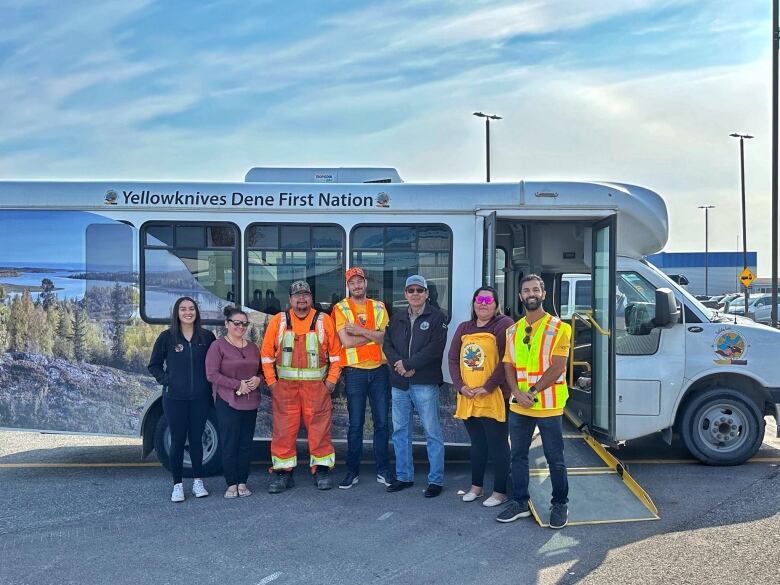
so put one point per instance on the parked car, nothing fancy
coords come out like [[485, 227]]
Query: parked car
[[725, 301], [737, 306], [761, 311]]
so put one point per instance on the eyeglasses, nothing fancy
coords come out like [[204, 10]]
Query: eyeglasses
[[480, 300], [415, 290], [527, 339], [237, 323]]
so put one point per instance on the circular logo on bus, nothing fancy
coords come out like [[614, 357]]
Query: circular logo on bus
[[473, 356], [730, 348], [111, 197]]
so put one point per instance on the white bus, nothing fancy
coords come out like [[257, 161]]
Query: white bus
[[89, 271]]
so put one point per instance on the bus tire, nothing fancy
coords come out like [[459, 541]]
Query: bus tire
[[722, 426], [212, 452]]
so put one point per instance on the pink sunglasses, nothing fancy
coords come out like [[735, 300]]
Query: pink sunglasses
[[480, 300]]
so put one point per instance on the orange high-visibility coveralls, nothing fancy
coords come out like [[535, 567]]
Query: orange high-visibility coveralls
[[298, 360]]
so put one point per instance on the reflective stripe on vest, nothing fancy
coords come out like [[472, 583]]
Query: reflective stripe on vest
[[531, 363], [369, 351], [313, 371]]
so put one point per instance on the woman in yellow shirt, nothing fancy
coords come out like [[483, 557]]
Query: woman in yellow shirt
[[478, 376]]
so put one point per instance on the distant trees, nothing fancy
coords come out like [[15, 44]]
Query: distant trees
[[68, 329]]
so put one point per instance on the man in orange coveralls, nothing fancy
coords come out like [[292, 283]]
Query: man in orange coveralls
[[300, 356]]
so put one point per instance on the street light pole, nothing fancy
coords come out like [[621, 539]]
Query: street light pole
[[706, 209], [775, 48], [742, 138], [487, 117]]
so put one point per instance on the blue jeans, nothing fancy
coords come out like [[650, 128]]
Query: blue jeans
[[425, 399], [521, 431], [373, 384]]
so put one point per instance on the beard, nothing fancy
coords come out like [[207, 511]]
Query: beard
[[531, 303]]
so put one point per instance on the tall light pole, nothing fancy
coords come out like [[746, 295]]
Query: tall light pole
[[487, 117], [775, 49], [742, 138], [706, 209]]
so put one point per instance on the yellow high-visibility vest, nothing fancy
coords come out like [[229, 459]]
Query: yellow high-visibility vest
[[531, 361]]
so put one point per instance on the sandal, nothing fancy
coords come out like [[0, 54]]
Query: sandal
[[243, 491], [471, 496], [231, 492]]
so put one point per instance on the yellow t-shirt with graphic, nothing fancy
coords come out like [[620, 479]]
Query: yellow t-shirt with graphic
[[478, 360], [341, 322], [561, 349]]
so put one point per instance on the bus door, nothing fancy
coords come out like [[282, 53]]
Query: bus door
[[603, 328], [592, 397]]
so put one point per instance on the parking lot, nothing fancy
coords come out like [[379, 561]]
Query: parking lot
[[87, 510]]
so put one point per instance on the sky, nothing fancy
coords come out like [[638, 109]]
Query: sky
[[639, 91]]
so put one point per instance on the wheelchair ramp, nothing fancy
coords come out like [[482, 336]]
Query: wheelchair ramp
[[600, 489]]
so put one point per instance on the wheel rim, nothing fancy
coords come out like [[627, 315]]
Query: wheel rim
[[209, 444], [723, 427]]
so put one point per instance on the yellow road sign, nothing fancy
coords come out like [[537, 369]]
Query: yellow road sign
[[746, 277]]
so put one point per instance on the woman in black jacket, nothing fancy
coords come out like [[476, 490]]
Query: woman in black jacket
[[178, 363]]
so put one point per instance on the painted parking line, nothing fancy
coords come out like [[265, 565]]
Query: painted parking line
[[690, 461]]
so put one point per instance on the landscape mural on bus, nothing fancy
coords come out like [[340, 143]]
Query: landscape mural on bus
[[73, 346]]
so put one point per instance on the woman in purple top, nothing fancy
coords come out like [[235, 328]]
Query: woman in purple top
[[233, 368], [478, 376]]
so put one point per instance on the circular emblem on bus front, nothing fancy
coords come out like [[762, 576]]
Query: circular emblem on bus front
[[111, 197], [473, 356], [730, 348]]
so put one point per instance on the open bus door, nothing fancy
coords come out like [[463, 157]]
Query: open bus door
[[592, 395], [489, 246]]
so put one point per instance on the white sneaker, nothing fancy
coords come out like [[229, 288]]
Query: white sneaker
[[177, 495], [198, 489]]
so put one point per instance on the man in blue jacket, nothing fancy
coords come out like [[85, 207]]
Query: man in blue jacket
[[414, 346]]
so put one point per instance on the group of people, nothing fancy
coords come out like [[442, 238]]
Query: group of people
[[510, 379]]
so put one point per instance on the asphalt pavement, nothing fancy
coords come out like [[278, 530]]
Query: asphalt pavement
[[87, 510]]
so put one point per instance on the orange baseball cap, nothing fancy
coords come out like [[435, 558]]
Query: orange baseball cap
[[354, 271]]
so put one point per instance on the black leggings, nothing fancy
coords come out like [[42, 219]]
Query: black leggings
[[186, 419], [236, 432], [488, 437]]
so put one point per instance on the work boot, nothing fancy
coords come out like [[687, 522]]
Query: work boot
[[559, 516], [280, 481], [322, 478]]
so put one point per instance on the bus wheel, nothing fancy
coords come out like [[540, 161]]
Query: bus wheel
[[212, 456], [722, 426]]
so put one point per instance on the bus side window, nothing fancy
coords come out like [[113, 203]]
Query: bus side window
[[110, 275], [391, 253], [278, 254], [194, 259]]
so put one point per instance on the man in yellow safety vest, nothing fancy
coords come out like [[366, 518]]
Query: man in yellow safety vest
[[360, 325], [537, 349]]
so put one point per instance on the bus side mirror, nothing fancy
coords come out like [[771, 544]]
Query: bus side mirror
[[667, 312]]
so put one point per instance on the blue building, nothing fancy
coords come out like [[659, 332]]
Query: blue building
[[723, 274]]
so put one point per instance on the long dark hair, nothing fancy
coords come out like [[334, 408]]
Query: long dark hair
[[175, 325], [492, 291]]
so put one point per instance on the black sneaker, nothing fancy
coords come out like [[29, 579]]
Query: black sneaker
[[322, 478], [432, 490], [385, 478], [513, 511], [399, 485], [280, 481], [559, 516], [349, 480]]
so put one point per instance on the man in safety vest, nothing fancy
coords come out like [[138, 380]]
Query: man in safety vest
[[537, 349], [360, 324], [300, 356]]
